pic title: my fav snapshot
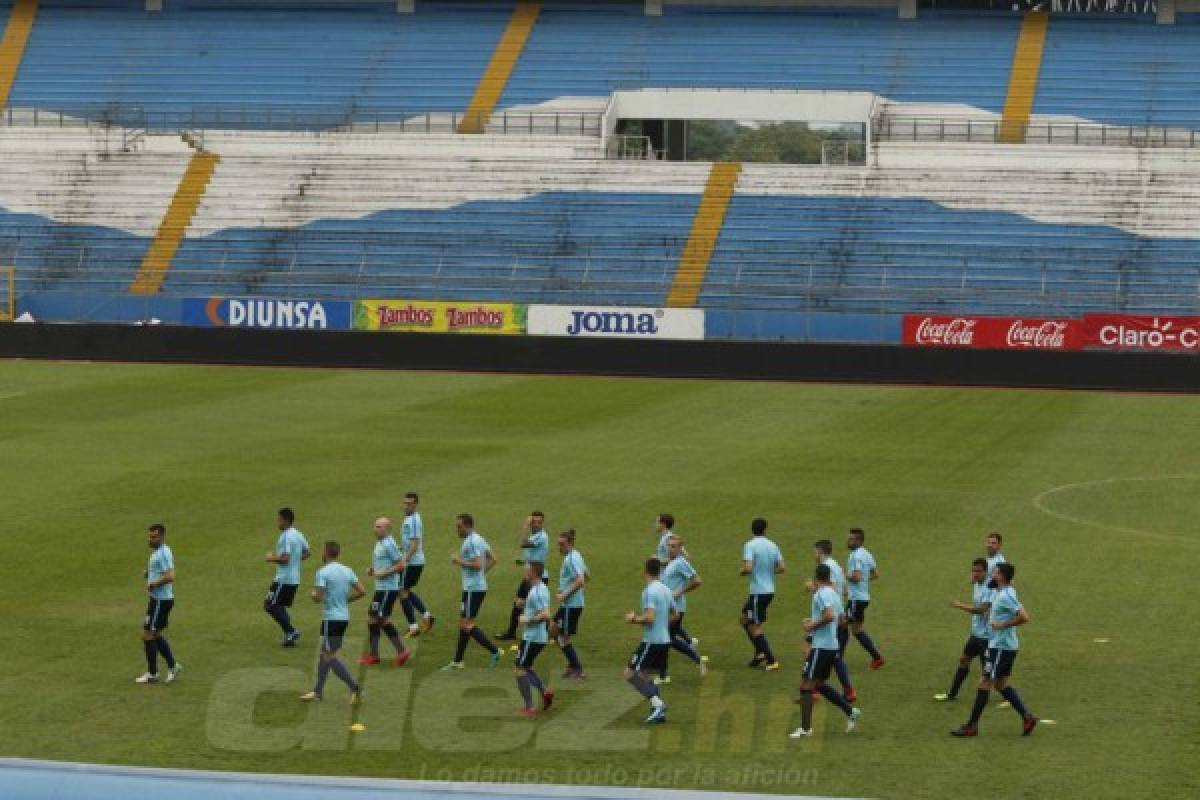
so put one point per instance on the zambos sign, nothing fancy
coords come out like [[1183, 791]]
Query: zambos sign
[[266, 312], [434, 316]]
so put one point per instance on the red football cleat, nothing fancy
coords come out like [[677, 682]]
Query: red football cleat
[[965, 731], [403, 658], [851, 696], [547, 699], [527, 713], [876, 664], [369, 661], [1030, 723]]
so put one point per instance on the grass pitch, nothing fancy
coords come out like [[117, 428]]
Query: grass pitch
[[1096, 494]]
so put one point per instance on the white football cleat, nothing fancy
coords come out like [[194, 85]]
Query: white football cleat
[[799, 733], [173, 672], [703, 666], [145, 678], [852, 723]]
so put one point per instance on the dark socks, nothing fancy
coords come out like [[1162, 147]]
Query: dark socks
[[415, 600], [393, 636], [685, 646], [526, 691], [1014, 699], [647, 688], [323, 667], [165, 650], [151, 648], [806, 708], [514, 615], [461, 650], [764, 647], [280, 615], [340, 670], [406, 604], [572, 657], [959, 676], [843, 673], [981, 698], [373, 637], [865, 640], [832, 695], [478, 635]]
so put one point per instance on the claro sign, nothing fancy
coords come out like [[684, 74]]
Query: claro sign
[[616, 322], [1153, 333], [996, 333]]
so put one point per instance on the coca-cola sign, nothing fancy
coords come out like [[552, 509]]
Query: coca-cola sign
[[1000, 333]]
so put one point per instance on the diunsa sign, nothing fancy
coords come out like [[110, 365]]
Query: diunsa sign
[[616, 321]]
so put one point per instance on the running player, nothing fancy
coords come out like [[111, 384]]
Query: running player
[[160, 584], [476, 560], [336, 587], [412, 542], [823, 549], [822, 626], [290, 550], [385, 569], [991, 546], [762, 561], [536, 619], [535, 546], [651, 654], [860, 571], [680, 577], [663, 524], [977, 641], [573, 575], [1005, 614]]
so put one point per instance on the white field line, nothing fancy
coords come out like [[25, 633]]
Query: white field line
[[1039, 502]]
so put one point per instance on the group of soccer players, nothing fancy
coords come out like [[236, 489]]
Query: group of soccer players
[[838, 610]]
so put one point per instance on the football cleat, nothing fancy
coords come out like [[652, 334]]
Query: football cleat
[[757, 661], [369, 660], [311, 697], [291, 639], [1030, 723], [852, 722], [427, 623], [146, 678], [851, 695], [413, 632], [402, 658], [703, 666], [662, 680], [799, 733], [547, 699], [356, 696], [944, 697], [964, 731], [452, 666], [658, 715], [774, 666], [876, 664], [173, 672], [526, 712]]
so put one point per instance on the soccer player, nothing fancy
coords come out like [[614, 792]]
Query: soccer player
[[573, 575], [860, 571], [762, 561], [680, 577], [977, 641], [991, 545], [663, 524], [160, 584], [822, 626], [535, 546], [536, 619], [385, 569], [651, 654], [290, 550], [1005, 614], [476, 560], [336, 587], [823, 549], [412, 543]]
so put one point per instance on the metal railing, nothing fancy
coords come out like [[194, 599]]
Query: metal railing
[[890, 128], [265, 118]]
